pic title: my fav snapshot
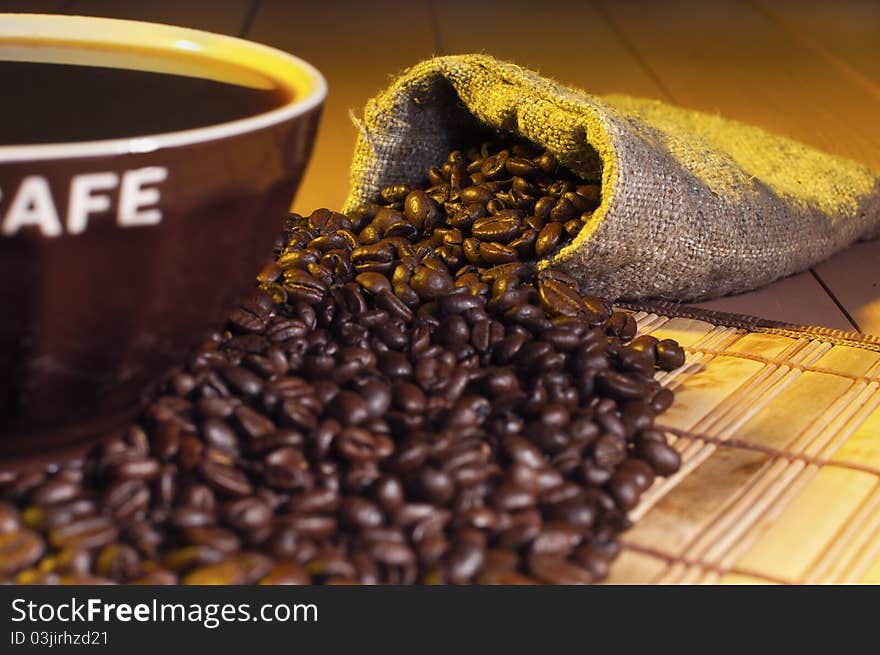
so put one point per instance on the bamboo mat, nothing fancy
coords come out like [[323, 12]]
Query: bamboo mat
[[779, 432]]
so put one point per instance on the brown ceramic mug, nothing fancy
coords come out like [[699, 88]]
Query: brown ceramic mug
[[117, 255]]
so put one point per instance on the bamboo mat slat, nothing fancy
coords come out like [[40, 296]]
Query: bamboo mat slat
[[779, 432]]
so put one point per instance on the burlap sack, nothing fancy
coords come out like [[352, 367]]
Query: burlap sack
[[693, 205]]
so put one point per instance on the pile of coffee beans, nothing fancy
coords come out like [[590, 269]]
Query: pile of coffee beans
[[406, 399]]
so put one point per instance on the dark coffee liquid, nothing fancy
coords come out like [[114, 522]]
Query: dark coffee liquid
[[51, 103]]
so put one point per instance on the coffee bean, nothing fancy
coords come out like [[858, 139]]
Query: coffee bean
[[430, 283], [19, 550], [557, 538], [552, 569], [548, 239], [476, 194], [125, 499], [348, 408], [620, 386], [522, 451], [10, 520], [301, 285], [118, 562], [669, 355], [218, 434], [139, 468], [243, 380], [247, 514], [437, 486], [286, 573], [227, 572], [55, 491], [252, 423], [495, 228], [495, 253], [361, 513], [87, 533], [359, 445], [520, 166], [214, 537], [661, 401], [664, 459], [465, 561], [405, 399], [559, 299], [624, 490]]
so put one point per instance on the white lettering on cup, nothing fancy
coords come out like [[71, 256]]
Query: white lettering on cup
[[84, 200], [32, 206], [137, 198]]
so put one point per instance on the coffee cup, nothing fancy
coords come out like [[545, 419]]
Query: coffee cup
[[145, 171]]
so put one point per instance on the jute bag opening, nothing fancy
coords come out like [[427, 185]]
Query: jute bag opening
[[693, 206]]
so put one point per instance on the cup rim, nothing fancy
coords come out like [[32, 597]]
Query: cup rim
[[11, 25]]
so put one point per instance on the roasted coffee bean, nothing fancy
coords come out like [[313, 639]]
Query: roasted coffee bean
[[548, 239], [557, 538], [406, 399], [84, 533], [476, 194], [225, 479], [286, 573], [494, 253], [465, 561], [620, 386], [552, 569], [559, 299], [248, 514], [361, 513], [10, 520], [227, 572], [216, 538], [661, 401], [139, 468], [118, 562], [125, 499], [375, 283], [218, 434], [430, 282], [19, 550], [348, 408], [669, 355], [495, 228], [664, 459]]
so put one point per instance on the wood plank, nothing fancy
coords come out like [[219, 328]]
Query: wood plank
[[35, 7], [224, 17], [31, 6], [572, 42], [854, 277], [844, 32], [752, 71], [796, 299], [358, 55]]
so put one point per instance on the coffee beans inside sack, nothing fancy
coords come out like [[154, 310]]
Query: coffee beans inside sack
[[408, 398], [693, 205]]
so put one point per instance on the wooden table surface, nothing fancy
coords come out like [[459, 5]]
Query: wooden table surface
[[808, 69]]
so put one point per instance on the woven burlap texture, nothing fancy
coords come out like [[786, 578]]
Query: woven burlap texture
[[693, 206]]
